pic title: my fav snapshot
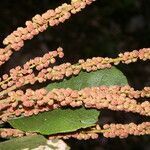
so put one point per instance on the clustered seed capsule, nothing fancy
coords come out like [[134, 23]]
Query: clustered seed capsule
[[39, 23], [117, 98]]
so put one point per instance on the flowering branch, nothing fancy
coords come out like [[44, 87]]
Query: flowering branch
[[117, 98], [65, 70], [39, 23], [15, 103], [108, 131], [18, 75]]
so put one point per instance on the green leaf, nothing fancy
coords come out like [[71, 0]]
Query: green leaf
[[1, 125], [22, 143], [69, 120], [32, 142], [107, 77], [57, 121]]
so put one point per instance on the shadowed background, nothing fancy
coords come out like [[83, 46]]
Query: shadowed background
[[105, 28]]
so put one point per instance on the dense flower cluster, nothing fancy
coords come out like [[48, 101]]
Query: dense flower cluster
[[7, 133], [77, 135], [109, 131], [18, 76], [117, 98], [38, 24], [15, 103], [126, 58], [22, 76], [122, 131], [5, 54]]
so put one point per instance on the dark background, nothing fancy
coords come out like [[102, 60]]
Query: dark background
[[105, 28]]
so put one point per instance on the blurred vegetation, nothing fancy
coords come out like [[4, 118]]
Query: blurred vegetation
[[105, 28]]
